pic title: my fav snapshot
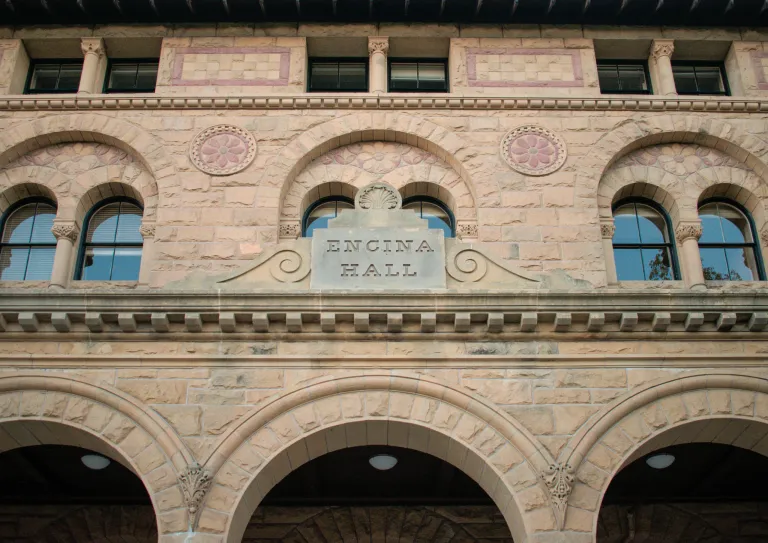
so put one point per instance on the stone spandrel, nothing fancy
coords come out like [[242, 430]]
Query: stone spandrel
[[378, 258]]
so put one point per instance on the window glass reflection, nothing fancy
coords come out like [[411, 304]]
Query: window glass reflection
[[27, 243], [321, 213], [113, 243], [642, 247], [727, 244]]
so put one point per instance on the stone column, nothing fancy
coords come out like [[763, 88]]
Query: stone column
[[147, 232], [687, 235], [378, 48], [661, 67], [607, 229], [93, 65], [66, 234]]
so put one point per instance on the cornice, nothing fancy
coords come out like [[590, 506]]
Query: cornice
[[367, 102]]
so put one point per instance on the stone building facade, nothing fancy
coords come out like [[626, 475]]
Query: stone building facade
[[534, 369]]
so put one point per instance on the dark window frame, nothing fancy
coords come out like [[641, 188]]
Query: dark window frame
[[84, 245], [439, 203], [618, 62], [338, 60], [10, 211], [110, 64], [61, 62], [443, 61], [670, 245], [755, 245], [318, 203], [703, 64]]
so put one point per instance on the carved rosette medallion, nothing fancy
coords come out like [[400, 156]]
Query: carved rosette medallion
[[195, 481], [559, 480], [685, 231], [533, 150], [65, 231], [222, 150], [378, 196]]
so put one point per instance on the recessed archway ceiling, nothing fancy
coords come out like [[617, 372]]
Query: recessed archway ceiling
[[590, 12]]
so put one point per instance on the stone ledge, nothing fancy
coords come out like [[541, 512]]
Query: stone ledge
[[389, 102]]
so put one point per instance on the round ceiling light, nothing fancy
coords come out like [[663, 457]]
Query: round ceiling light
[[660, 461], [95, 461], [383, 462]]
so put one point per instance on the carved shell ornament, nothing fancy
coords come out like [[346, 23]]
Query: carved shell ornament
[[222, 150], [533, 150], [378, 196]]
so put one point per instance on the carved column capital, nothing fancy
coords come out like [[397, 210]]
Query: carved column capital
[[68, 231], [147, 231], [92, 46], [195, 481], [607, 229], [290, 231], [466, 230], [662, 49], [688, 230], [378, 45]]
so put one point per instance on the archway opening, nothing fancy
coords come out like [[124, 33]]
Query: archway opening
[[65, 493], [377, 493], [688, 493]]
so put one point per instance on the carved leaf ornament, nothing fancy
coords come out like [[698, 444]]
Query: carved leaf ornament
[[378, 196], [195, 482], [533, 150], [222, 150]]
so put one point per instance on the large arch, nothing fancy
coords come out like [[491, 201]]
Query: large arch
[[47, 408], [88, 127], [633, 134], [378, 126], [711, 406], [402, 410]]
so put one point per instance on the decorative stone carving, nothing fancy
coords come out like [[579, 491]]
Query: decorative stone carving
[[291, 230], [195, 482], [378, 196], [95, 46], [147, 231], [685, 231], [559, 480], [287, 263], [662, 50], [607, 229], [469, 263], [66, 231], [466, 231], [679, 159], [222, 150], [533, 150], [378, 45]]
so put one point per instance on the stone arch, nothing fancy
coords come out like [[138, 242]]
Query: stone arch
[[46, 408], [392, 127], [718, 407], [132, 139], [17, 193], [634, 134], [409, 411]]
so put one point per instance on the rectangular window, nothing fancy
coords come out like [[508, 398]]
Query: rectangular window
[[338, 75], [620, 77], [700, 78], [131, 76], [418, 75], [50, 76]]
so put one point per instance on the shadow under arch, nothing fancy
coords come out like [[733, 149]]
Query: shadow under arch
[[389, 127], [400, 410], [124, 135], [711, 406], [635, 133], [55, 409]]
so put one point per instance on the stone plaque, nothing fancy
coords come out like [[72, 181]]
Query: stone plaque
[[378, 258]]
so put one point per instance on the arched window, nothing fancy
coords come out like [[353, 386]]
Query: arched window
[[728, 243], [642, 242], [436, 212], [111, 249], [322, 211], [27, 246]]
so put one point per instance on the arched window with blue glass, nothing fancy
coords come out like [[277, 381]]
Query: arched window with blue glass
[[319, 213], [642, 242], [112, 245], [728, 244], [436, 213], [27, 246]]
